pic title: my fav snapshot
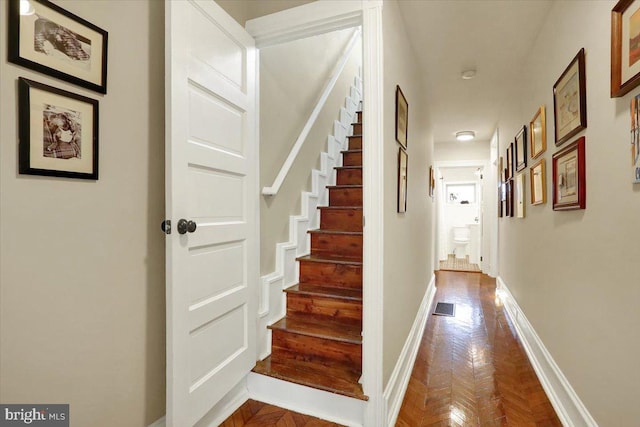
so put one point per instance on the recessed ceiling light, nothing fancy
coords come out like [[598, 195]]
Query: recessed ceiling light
[[465, 135], [468, 74]]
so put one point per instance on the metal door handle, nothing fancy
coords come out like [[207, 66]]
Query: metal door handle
[[166, 226], [185, 226]]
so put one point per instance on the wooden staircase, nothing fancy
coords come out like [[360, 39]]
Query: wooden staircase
[[319, 341]]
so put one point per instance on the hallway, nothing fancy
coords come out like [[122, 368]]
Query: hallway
[[471, 369]]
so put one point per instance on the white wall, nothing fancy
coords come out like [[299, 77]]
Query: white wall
[[408, 258], [470, 150], [244, 10], [82, 262], [292, 77], [575, 274]]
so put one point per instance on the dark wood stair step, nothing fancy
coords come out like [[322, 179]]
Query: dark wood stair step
[[330, 331], [331, 271], [352, 157], [346, 218], [334, 379], [349, 175], [336, 243], [345, 195], [324, 304], [359, 116], [355, 140]]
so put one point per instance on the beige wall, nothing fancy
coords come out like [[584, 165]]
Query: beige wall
[[244, 10], [450, 151], [292, 77], [82, 262], [575, 274], [408, 237]]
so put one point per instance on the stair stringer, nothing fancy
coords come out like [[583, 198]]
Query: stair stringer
[[272, 299]]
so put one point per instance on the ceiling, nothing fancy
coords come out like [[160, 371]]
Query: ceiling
[[490, 36]]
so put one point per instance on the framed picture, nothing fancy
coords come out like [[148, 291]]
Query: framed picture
[[569, 183], [570, 100], [58, 43], [521, 149], [510, 169], [538, 179], [402, 118], [432, 181], [538, 133], [509, 199], [635, 139], [403, 167], [58, 132], [625, 47], [519, 195]]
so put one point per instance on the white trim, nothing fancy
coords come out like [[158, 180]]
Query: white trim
[[308, 20], [306, 400], [563, 397], [272, 301], [373, 198], [399, 380], [328, 87], [160, 422]]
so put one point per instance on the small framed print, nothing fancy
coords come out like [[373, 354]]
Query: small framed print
[[635, 139], [538, 180], [569, 183], [402, 118], [53, 41], [432, 181], [509, 199], [510, 169], [538, 133], [570, 100], [625, 47], [58, 132], [519, 196], [403, 167], [521, 149]]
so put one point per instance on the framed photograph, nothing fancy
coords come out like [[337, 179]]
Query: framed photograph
[[519, 195], [402, 118], [521, 149], [55, 42], [58, 132], [403, 168], [569, 183], [570, 100], [509, 199], [510, 168], [538, 133], [625, 47], [635, 139], [538, 180], [432, 181]]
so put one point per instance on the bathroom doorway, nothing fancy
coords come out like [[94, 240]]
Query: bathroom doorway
[[460, 211]]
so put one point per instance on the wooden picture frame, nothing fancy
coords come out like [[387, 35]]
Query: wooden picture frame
[[403, 173], [625, 47], [569, 182], [509, 198], [520, 151], [55, 42], [402, 118], [635, 139], [501, 193], [538, 133], [432, 181], [510, 168], [58, 132], [570, 100], [519, 200], [538, 183]]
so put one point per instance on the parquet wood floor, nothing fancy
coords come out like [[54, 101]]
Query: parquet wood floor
[[471, 369], [257, 414]]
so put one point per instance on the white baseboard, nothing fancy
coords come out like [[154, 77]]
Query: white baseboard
[[564, 399], [399, 380], [161, 422], [306, 400]]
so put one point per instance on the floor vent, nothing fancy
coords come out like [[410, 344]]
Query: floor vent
[[445, 309]]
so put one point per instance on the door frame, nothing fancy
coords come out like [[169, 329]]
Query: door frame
[[318, 18]]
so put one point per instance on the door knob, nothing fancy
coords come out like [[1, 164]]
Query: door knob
[[166, 226], [184, 226]]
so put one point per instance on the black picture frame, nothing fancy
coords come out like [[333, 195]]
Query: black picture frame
[[403, 177], [520, 153], [35, 43], [402, 118], [570, 94], [61, 140]]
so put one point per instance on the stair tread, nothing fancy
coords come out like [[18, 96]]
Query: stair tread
[[352, 151], [332, 331], [345, 186], [325, 258], [341, 232], [340, 207], [359, 135], [334, 379], [326, 291], [348, 167]]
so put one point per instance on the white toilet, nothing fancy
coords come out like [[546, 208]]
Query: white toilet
[[461, 239]]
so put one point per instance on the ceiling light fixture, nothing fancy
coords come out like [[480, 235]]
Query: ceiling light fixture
[[465, 135], [468, 74], [26, 8]]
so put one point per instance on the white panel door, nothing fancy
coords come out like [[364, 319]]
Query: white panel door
[[211, 179]]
